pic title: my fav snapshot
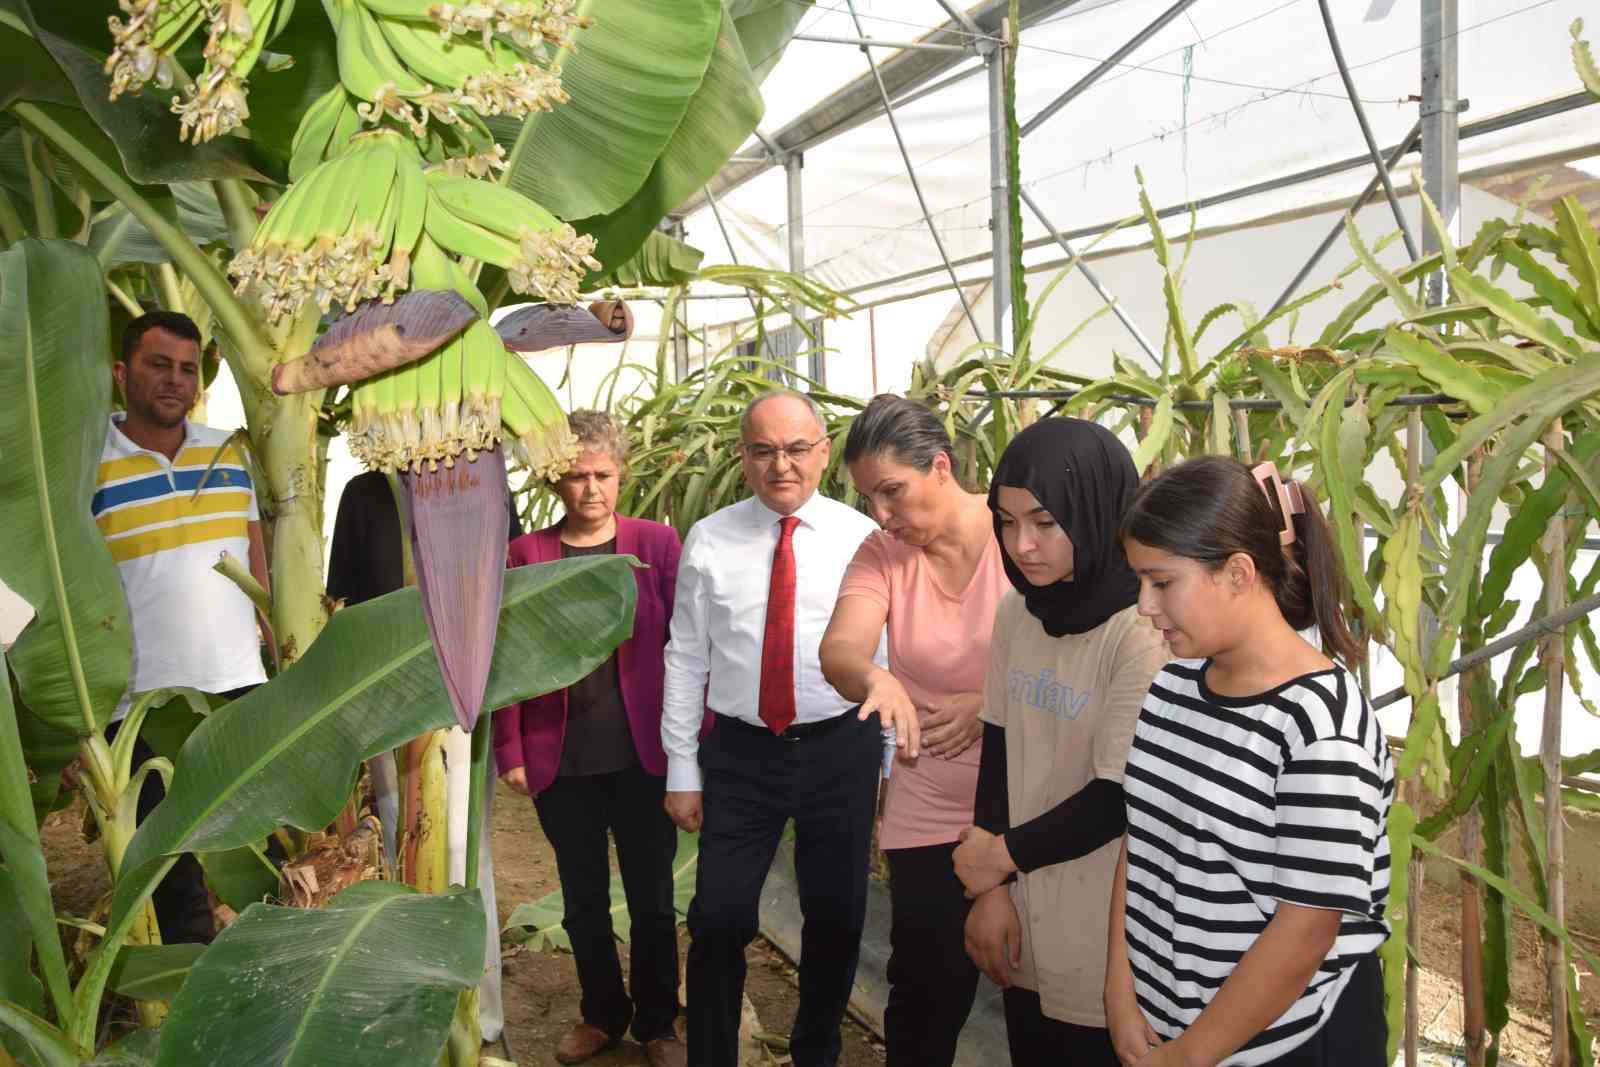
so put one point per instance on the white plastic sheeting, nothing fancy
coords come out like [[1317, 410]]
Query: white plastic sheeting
[[1225, 96]]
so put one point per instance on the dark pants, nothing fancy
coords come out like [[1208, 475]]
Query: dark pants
[[1035, 1038], [182, 902], [932, 980], [754, 783], [576, 814], [1356, 1033]]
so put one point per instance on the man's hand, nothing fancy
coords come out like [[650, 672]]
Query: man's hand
[[982, 861], [888, 698], [517, 779], [994, 936], [952, 727], [683, 808], [1167, 1054]]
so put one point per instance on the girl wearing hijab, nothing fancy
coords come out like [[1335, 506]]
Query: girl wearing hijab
[[1069, 664]]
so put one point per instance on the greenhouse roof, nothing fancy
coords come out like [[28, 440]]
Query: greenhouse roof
[[1237, 107]]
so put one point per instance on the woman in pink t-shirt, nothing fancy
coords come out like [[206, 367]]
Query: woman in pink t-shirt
[[934, 576]]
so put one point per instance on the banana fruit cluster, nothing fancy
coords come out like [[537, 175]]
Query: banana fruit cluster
[[412, 60], [343, 233], [466, 397], [145, 49], [346, 231]]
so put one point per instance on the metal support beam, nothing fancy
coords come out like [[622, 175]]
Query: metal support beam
[[1405, 147], [1106, 65], [1366, 132], [1094, 280], [995, 58], [733, 256], [904, 73], [873, 42], [960, 17], [793, 164], [911, 172], [1441, 130]]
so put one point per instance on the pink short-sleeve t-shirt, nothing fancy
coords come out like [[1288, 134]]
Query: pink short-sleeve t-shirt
[[938, 648]]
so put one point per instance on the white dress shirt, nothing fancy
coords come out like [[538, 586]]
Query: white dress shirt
[[719, 618]]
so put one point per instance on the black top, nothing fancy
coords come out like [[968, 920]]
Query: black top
[[364, 560], [598, 740]]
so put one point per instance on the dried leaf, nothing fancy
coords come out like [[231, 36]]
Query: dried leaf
[[539, 326], [377, 337]]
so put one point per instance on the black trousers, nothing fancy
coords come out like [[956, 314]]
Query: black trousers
[[1356, 1034], [182, 902], [754, 783], [1035, 1038], [577, 813], [932, 980]]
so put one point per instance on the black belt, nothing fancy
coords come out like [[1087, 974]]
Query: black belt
[[797, 730]]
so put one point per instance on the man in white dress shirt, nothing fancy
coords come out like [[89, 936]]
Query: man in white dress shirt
[[756, 587]]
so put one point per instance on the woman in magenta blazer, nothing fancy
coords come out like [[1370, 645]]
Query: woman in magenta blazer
[[590, 756]]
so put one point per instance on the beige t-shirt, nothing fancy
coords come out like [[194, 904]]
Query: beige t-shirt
[[1068, 706]]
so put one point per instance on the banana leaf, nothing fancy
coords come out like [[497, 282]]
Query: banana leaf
[[371, 978], [721, 114], [631, 76], [17, 982], [72, 660], [764, 28], [288, 752], [661, 260], [154, 972], [25, 894], [138, 1049]]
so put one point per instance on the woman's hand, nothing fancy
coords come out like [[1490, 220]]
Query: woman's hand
[[994, 936], [951, 727], [982, 861], [889, 699], [517, 779], [1131, 1034]]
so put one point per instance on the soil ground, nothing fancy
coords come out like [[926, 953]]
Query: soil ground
[[541, 993]]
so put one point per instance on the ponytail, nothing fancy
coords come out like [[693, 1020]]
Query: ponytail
[[1211, 508]]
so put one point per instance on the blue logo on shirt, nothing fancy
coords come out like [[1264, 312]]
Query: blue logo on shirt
[[1044, 692]]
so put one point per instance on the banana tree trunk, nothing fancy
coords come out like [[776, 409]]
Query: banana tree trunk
[[289, 457]]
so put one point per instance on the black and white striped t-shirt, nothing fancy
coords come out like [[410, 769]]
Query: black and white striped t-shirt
[[1235, 804]]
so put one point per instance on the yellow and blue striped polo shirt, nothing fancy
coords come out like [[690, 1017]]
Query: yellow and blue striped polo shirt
[[166, 523]]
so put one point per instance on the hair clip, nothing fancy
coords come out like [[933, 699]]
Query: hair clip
[[1288, 496]]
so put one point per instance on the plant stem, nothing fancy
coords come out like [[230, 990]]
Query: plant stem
[[11, 227], [171, 287], [479, 772], [46, 225], [233, 196], [232, 315], [128, 303]]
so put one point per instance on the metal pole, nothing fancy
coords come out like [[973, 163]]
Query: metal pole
[[1400, 151], [1552, 656], [1106, 65], [874, 42], [960, 17], [793, 164], [1441, 130], [716, 213], [1094, 280], [994, 58], [1366, 131], [916, 186], [680, 339]]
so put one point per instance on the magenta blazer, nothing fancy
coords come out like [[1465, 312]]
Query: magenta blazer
[[530, 734]]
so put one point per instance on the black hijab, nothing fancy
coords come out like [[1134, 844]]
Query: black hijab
[[1083, 476]]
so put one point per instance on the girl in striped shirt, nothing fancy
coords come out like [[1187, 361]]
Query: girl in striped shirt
[[1248, 904]]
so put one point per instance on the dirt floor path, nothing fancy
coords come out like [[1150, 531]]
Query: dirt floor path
[[541, 990]]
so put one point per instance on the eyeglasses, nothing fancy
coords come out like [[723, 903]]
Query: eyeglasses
[[796, 452]]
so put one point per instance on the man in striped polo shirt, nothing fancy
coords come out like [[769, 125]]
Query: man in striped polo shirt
[[171, 497]]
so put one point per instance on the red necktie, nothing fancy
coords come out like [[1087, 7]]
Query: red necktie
[[777, 643]]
